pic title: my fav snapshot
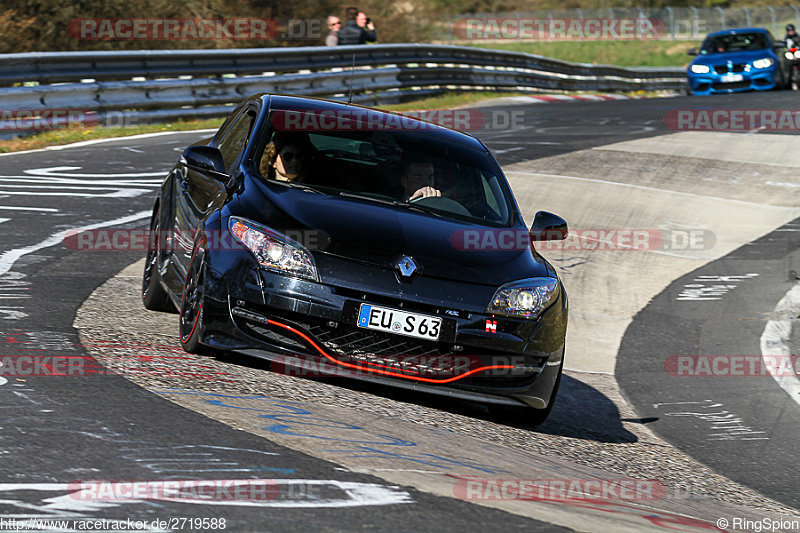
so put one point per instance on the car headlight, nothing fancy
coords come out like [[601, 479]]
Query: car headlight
[[762, 63], [525, 298], [701, 69], [273, 251]]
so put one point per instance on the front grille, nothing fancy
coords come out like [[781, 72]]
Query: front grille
[[721, 69], [740, 67], [347, 340], [733, 85], [417, 356], [389, 352]]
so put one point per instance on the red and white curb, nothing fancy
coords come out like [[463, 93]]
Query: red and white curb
[[553, 98]]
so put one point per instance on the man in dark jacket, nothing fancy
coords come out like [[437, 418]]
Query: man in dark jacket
[[358, 29]]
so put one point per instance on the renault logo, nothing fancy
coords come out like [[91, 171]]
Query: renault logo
[[406, 266]]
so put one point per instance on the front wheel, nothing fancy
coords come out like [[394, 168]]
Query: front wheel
[[190, 325]]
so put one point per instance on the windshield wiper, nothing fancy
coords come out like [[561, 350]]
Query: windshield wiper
[[395, 203], [304, 187], [367, 197]]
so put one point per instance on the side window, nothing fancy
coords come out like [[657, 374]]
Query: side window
[[235, 140]]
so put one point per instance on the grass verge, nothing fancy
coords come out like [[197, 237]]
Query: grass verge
[[619, 53]]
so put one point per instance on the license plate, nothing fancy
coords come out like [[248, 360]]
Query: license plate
[[399, 322], [727, 78]]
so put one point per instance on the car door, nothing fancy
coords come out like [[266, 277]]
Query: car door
[[199, 193]]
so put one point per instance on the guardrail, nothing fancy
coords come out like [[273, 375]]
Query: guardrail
[[168, 84]]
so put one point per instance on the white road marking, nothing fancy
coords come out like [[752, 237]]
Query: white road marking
[[45, 181], [775, 341], [102, 141], [119, 193], [507, 150], [20, 208], [10, 257], [4, 220], [81, 496], [62, 172], [631, 185]]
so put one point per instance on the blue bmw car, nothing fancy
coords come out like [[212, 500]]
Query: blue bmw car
[[740, 59]]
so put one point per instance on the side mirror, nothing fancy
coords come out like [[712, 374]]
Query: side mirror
[[693, 51], [206, 159], [548, 227]]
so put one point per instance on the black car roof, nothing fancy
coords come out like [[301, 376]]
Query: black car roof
[[305, 103]]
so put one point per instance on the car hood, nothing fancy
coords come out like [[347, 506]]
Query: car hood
[[745, 56], [354, 230]]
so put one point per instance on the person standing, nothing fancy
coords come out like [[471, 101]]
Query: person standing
[[334, 25], [358, 28]]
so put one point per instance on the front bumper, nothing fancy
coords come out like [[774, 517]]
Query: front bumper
[[753, 80], [309, 329]]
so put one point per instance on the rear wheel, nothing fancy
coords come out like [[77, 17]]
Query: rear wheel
[[191, 312], [154, 297]]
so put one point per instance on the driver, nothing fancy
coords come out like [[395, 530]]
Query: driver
[[416, 180]]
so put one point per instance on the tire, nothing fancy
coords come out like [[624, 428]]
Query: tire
[[190, 322], [154, 297], [528, 416]]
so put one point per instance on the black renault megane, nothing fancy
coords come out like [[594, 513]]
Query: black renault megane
[[334, 239]]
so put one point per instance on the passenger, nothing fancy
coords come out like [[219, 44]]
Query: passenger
[[283, 159]]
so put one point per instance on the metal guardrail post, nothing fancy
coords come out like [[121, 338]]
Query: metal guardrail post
[[772, 15], [746, 16], [671, 21]]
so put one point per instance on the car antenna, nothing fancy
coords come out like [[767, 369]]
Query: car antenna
[[350, 85]]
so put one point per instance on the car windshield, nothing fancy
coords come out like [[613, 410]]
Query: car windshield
[[734, 42], [409, 169]]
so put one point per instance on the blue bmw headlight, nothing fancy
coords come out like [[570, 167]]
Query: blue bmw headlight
[[524, 298], [700, 69], [764, 62]]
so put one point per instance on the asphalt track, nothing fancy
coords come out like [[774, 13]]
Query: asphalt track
[[60, 429]]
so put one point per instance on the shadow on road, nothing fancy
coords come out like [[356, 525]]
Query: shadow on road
[[581, 411]]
